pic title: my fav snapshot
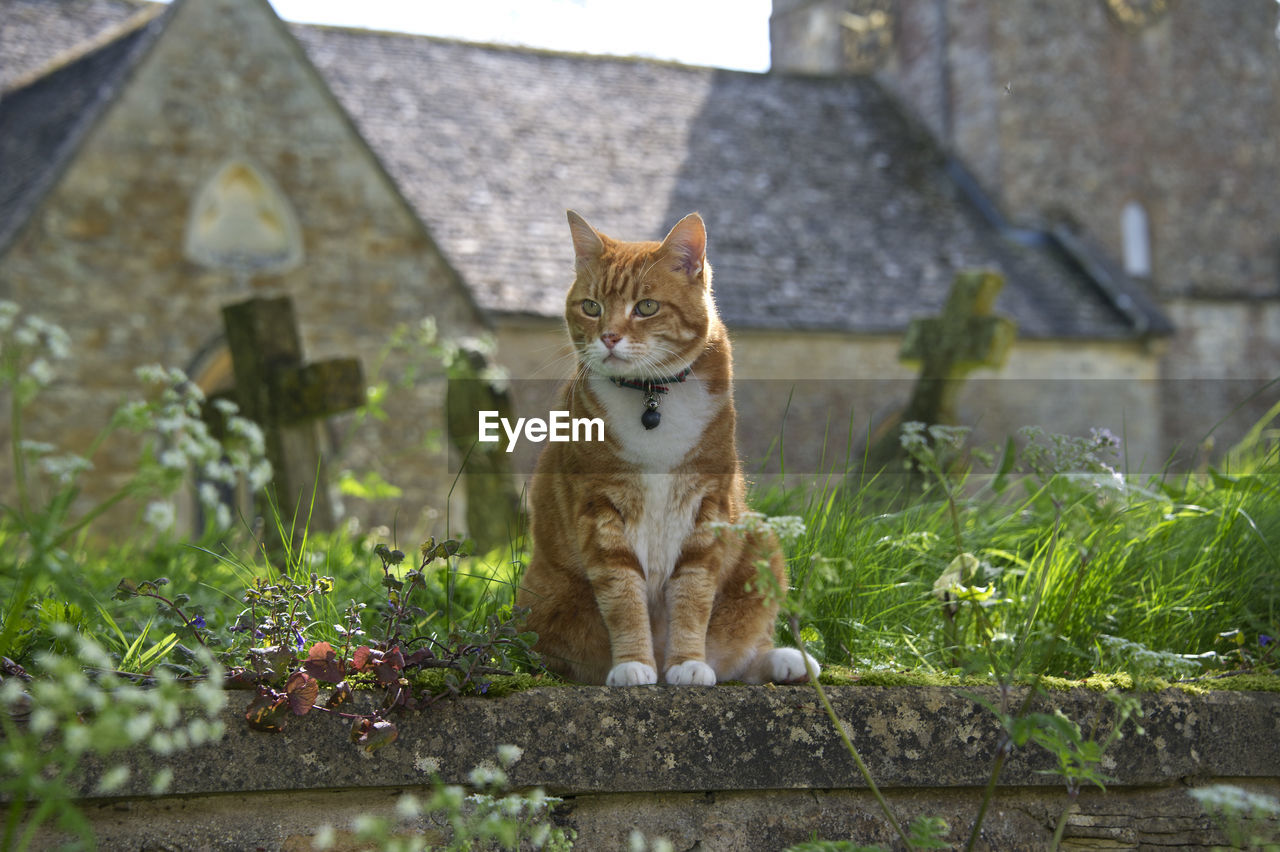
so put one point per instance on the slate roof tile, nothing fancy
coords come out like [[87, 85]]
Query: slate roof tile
[[42, 121], [826, 207], [34, 34]]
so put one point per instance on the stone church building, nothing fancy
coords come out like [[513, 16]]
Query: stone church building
[[1149, 125], [160, 162]]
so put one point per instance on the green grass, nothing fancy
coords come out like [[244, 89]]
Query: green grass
[[1168, 565], [214, 576]]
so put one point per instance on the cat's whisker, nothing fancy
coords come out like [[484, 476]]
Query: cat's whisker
[[556, 362]]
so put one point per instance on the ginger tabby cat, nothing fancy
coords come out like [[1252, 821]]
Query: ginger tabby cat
[[634, 570]]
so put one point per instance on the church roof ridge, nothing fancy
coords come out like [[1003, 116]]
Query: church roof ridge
[[79, 50], [44, 120], [515, 47]]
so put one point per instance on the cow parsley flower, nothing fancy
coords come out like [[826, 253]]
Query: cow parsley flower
[[160, 515]]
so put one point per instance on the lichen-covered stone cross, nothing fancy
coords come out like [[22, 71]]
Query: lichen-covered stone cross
[[286, 398], [948, 347]]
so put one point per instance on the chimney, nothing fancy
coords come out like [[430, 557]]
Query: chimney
[[829, 37]]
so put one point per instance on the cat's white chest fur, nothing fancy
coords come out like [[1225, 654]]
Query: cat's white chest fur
[[658, 536], [667, 516], [686, 409]]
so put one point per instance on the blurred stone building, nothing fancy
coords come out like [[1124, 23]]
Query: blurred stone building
[[157, 163], [1149, 125]]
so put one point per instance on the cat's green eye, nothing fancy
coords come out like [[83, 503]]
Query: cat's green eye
[[590, 308], [646, 307]]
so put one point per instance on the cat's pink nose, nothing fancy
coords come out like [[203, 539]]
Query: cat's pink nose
[[610, 339]]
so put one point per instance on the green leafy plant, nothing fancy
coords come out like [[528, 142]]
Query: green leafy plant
[[1073, 483], [46, 521], [274, 651]]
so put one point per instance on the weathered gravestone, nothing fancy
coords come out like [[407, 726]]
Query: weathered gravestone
[[286, 398], [493, 503], [965, 337]]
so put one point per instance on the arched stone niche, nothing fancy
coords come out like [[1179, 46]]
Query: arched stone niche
[[241, 222]]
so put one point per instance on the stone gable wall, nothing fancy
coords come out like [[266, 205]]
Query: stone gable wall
[[103, 255]]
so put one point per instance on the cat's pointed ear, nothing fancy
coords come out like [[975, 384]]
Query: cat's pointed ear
[[687, 245], [587, 242]]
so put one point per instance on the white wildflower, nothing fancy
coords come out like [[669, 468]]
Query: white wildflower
[[113, 779], [26, 336], [65, 468], [511, 806], [160, 515], [208, 494], [173, 459], [219, 471], [259, 475], [537, 799], [170, 423], [162, 781], [325, 837], [8, 312], [151, 374], [76, 738], [36, 448], [194, 394], [787, 527], [58, 343], [225, 406], [222, 516], [41, 372], [408, 807], [487, 776], [42, 721], [1236, 800], [251, 433], [509, 754], [428, 331], [135, 415]]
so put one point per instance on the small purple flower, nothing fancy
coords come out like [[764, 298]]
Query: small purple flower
[[198, 621], [1264, 640], [258, 634], [1104, 438]]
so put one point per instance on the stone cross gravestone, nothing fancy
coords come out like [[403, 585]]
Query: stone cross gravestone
[[949, 347], [286, 398], [493, 502], [965, 337]]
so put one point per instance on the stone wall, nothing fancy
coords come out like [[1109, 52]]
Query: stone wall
[[103, 255], [718, 768], [817, 390], [1064, 109]]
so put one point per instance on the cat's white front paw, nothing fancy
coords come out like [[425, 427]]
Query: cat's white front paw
[[691, 673], [631, 674], [786, 665]]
